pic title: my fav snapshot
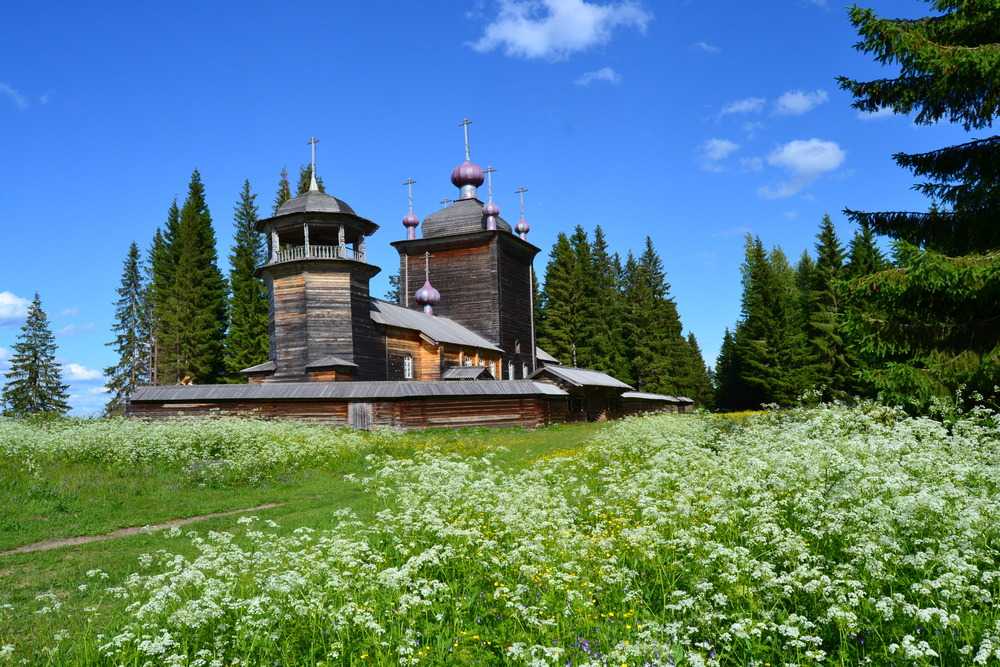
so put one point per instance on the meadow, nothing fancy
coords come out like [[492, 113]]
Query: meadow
[[826, 535]]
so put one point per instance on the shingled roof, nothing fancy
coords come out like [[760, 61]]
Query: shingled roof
[[459, 217], [341, 390], [439, 329], [467, 373], [315, 201]]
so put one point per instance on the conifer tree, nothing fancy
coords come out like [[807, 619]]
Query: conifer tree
[[652, 327], [34, 380], [584, 301], [305, 176], [698, 381], [284, 191], [392, 295], [167, 321], [729, 387], [559, 328], [201, 291], [931, 323], [247, 341], [132, 336], [609, 354], [864, 256], [827, 350]]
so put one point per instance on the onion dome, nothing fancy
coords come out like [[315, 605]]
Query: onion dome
[[467, 177], [492, 212], [522, 228], [411, 222], [428, 297]]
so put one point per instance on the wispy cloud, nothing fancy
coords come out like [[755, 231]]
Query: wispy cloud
[[72, 311], [706, 47], [805, 160], [606, 74], [798, 102], [73, 329], [751, 164], [714, 151], [730, 232], [12, 308], [556, 29], [746, 105], [8, 91], [80, 373]]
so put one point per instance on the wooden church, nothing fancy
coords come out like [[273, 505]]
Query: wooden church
[[457, 350]]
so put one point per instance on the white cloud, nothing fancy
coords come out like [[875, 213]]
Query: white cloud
[[798, 102], [12, 308], [556, 29], [791, 215], [730, 232], [20, 101], [706, 47], [70, 312], [805, 160], [751, 163], [81, 373], [98, 391], [883, 112], [604, 74], [746, 105], [714, 151]]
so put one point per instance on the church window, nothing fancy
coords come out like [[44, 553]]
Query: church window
[[524, 370], [517, 346], [510, 370], [408, 367]]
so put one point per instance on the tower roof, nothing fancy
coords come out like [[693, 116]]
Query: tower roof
[[314, 201], [459, 217]]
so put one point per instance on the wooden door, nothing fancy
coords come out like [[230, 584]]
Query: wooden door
[[359, 415]]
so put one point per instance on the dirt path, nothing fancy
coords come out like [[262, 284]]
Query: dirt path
[[125, 532]]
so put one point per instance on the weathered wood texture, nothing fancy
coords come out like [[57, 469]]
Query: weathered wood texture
[[405, 413], [514, 285], [638, 406], [320, 309], [467, 280], [426, 357]]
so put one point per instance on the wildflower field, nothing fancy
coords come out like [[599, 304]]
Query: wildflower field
[[827, 535]]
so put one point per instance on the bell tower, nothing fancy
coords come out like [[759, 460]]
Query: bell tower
[[317, 277]]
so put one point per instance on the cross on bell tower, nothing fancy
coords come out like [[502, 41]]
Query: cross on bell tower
[[313, 185]]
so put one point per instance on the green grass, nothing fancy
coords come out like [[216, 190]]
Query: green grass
[[61, 499]]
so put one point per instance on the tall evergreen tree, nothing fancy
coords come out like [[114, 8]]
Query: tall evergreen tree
[[827, 350], [200, 290], [132, 335], [392, 295], [559, 328], [584, 302], [34, 380], [609, 354], [652, 327], [698, 383], [284, 191], [729, 388], [932, 322], [247, 341], [305, 176], [167, 322]]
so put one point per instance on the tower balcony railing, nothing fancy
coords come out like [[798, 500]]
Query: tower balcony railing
[[291, 253]]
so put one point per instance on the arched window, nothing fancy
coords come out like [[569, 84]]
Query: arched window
[[408, 367], [510, 370], [517, 346], [524, 371]]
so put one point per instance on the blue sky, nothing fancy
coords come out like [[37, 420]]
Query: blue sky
[[692, 122]]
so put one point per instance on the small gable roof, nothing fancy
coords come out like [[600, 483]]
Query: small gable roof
[[542, 355], [331, 361], [266, 367], [582, 377], [467, 373]]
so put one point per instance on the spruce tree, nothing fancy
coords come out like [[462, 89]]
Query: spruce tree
[[698, 381], [609, 354], [827, 349], [167, 321], [284, 191], [305, 176], [392, 294], [132, 336], [863, 255], [652, 327], [559, 328], [729, 388], [34, 380], [931, 323], [247, 341], [200, 291], [584, 300]]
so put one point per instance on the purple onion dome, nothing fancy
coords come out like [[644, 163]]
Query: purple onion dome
[[411, 220], [491, 209], [467, 173], [427, 295], [522, 226]]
